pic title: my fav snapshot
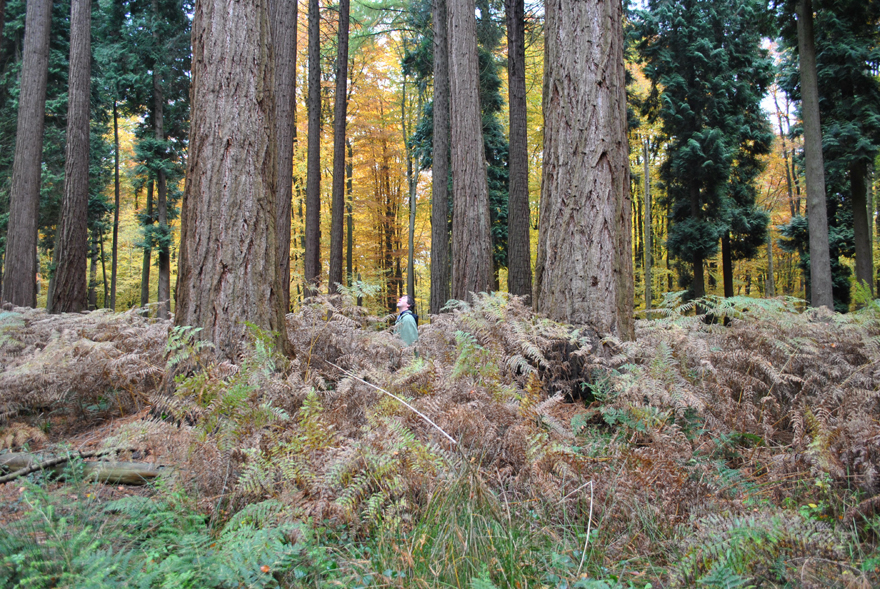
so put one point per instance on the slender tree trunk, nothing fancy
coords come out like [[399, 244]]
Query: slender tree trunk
[[115, 252], [794, 207], [164, 253], [228, 274], [727, 264], [340, 111], [519, 255], [349, 242], [440, 168], [471, 237], [284, 37], [68, 292], [698, 287], [104, 270], [19, 268], [313, 170], [93, 275], [858, 173], [770, 283], [817, 214], [412, 181], [648, 232], [584, 272], [145, 270]]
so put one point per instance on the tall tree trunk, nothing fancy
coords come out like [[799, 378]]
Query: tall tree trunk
[[817, 214], [440, 167], [858, 173], [412, 179], [145, 269], [164, 253], [698, 286], [69, 292], [471, 237], [115, 252], [93, 274], [726, 264], [312, 271], [584, 272], [19, 268], [770, 283], [793, 206], [104, 270], [340, 111], [284, 37], [228, 274], [648, 232], [349, 242], [519, 256]]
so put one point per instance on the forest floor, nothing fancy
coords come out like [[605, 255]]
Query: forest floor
[[742, 451]]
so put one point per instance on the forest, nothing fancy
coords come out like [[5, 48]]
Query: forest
[[639, 236]]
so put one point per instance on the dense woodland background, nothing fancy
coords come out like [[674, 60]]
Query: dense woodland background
[[658, 358]]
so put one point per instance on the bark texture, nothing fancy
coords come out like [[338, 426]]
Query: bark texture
[[584, 269], [284, 36], [861, 226], [70, 290], [519, 255], [471, 237], [228, 272], [114, 254], [817, 215], [145, 268], [648, 231], [164, 253], [312, 255], [340, 112], [440, 166], [20, 267]]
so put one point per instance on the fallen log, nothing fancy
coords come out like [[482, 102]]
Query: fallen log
[[126, 473]]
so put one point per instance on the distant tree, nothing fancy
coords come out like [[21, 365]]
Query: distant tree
[[228, 275], [584, 268], [471, 237], [340, 111], [20, 267], [68, 288], [519, 258]]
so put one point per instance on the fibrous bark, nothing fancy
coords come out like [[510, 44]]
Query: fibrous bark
[[584, 267], [440, 166], [340, 111], [69, 288], [519, 257], [20, 267], [471, 237], [312, 255], [817, 215], [228, 273]]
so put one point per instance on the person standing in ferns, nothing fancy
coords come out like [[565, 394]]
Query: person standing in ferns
[[407, 324]]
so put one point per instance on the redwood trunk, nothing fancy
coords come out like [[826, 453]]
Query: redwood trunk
[[817, 215], [70, 289], [584, 270], [440, 166], [519, 256], [471, 237], [340, 111], [20, 268], [228, 274], [312, 271]]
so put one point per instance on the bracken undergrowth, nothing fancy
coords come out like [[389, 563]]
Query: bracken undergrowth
[[733, 443]]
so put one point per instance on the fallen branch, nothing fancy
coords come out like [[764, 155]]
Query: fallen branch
[[396, 398], [130, 473]]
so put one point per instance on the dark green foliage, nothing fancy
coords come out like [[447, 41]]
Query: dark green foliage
[[708, 75]]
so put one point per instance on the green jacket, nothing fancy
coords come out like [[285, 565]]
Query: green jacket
[[406, 327]]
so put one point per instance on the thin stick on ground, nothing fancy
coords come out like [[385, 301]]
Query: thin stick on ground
[[396, 398], [589, 526]]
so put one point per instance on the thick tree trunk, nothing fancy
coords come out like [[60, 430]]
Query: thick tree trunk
[[69, 292], [340, 111], [145, 269], [115, 252], [861, 226], [648, 232], [519, 256], [584, 272], [228, 274], [471, 237], [312, 271], [817, 214], [440, 166], [284, 37], [19, 268]]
